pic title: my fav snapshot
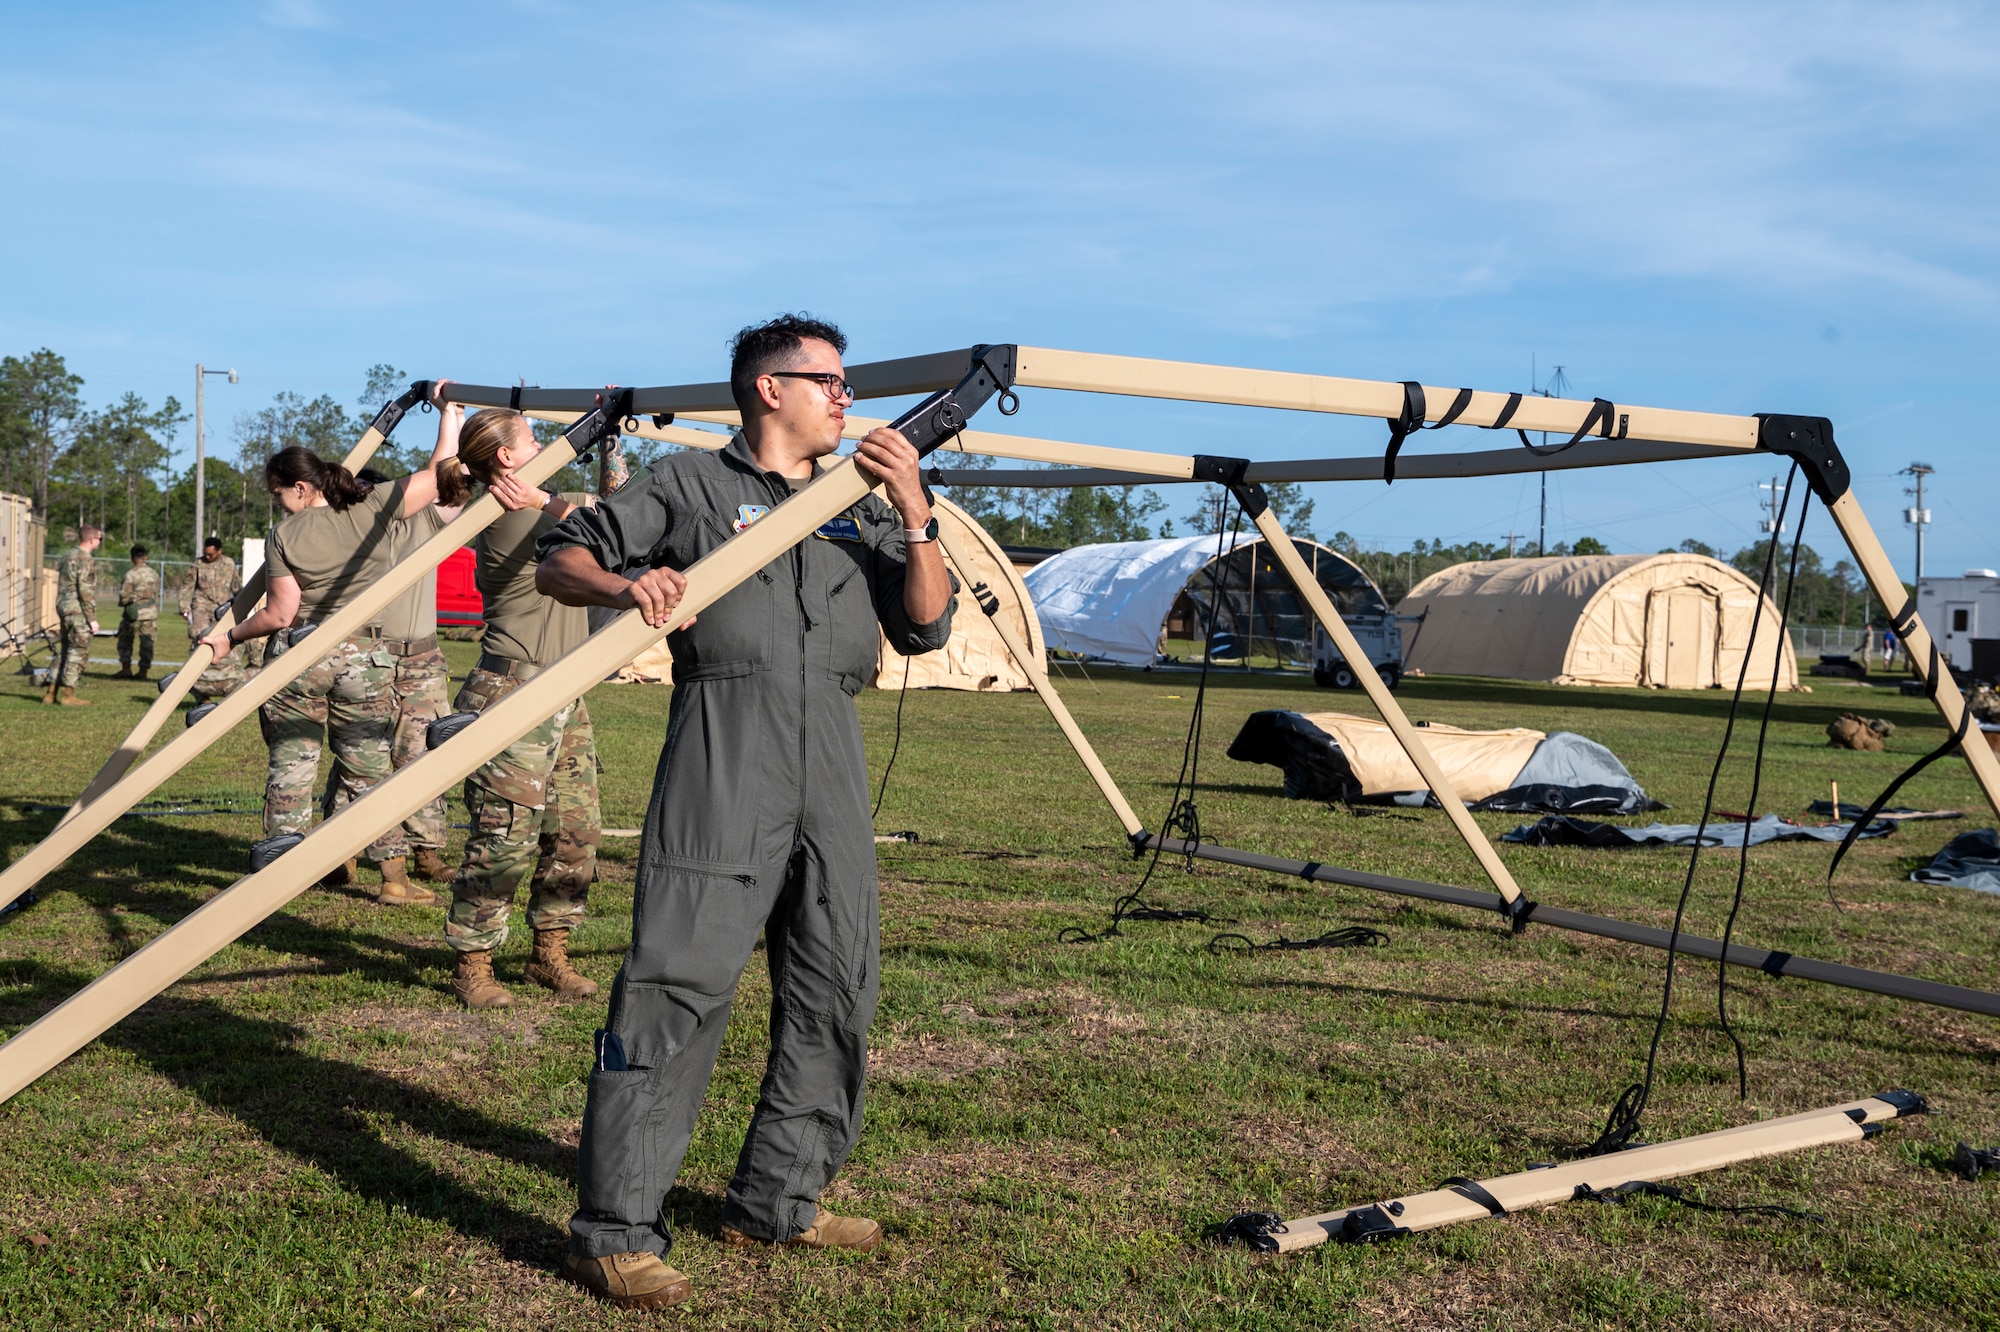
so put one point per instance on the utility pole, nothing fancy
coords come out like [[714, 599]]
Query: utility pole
[[1918, 517], [1511, 534], [1557, 385], [200, 456], [1772, 527]]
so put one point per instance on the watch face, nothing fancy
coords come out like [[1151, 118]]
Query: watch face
[[930, 528]]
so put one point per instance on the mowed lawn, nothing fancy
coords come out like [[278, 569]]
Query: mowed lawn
[[309, 1132]]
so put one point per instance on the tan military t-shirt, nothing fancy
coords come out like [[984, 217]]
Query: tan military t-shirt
[[335, 553], [521, 623], [414, 615]]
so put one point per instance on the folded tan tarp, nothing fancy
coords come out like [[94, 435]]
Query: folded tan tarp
[[1478, 763]]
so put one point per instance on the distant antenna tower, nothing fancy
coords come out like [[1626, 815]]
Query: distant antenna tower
[[1557, 386]]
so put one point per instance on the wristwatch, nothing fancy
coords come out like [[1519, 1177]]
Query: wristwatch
[[916, 536]]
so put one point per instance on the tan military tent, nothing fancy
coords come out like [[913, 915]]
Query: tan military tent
[[974, 659], [1663, 621]]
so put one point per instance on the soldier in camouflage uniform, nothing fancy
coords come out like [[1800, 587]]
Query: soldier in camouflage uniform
[[212, 584], [534, 805], [139, 595], [345, 699], [76, 608]]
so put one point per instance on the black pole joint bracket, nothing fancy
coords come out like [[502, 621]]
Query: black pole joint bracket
[[1809, 441], [1140, 841], [1230, 473], [587, 432], [396, 408], [1518, 913]]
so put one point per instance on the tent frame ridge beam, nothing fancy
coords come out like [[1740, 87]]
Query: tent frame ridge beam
[[1772, 962], [1371, 1223], [252, 592]]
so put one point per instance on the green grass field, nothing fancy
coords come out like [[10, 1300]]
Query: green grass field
[[310, 1133]]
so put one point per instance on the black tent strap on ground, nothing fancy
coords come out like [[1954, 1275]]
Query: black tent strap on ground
[[1769, 961]]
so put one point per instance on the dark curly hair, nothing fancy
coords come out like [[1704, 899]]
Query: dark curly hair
[[773, 345]]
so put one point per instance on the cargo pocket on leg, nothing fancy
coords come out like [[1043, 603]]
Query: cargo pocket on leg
[[614, 1151]]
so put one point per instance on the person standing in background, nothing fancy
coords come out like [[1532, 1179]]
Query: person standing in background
[[76, 608], [212, 584], [139, 596]]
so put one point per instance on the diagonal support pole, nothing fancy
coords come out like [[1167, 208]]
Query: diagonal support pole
[[93, 818], [246, 601], [1406, 735]]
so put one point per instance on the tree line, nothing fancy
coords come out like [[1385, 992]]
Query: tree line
[[112, 466]]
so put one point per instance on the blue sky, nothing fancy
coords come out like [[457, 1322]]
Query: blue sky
[[1731, 208]]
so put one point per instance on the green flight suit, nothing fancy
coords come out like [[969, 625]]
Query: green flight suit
[[758, 824]]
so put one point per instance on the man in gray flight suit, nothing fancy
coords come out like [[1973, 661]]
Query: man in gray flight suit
[[759, 815]]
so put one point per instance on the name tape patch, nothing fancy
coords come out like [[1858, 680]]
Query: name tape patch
[[840, 529]]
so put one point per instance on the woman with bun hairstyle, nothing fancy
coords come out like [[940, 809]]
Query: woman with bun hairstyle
[[534, 805], [334, 541]]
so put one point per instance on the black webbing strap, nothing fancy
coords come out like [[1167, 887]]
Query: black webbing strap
[[1353, 936], [1969, 1162], [1473, 1189], [1602, 417], [1412, 420], [1937, 671], [1620, 1192]]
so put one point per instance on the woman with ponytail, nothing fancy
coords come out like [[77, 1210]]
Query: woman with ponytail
[[534, 805], [335, 540]]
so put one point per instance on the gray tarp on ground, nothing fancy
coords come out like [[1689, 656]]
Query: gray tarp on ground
[[1969, 860], [1559, 831]]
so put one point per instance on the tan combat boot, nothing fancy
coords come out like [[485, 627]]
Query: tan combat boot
[[827, 1232], [397, 890], [473, 981], [639, 1280], [66, 697], [430, 865], [550, 968], [49, 694], [340, 875]]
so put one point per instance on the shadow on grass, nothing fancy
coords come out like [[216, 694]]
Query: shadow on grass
[[329, 1115]]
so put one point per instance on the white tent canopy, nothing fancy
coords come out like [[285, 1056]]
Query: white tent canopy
[[1669, 621], [1110, 601]]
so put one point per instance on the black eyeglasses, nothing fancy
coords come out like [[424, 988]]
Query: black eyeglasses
[[836, 387]]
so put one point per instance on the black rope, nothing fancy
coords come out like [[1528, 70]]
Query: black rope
[[1756, 784], [1621, 1126], [1183, 816], [896, 748], [1634, 1188], [1353, 936]]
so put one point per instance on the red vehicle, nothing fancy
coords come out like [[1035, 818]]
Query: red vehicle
[[458, 593]]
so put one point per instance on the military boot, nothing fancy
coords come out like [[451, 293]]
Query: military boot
[[49, 694], [66, 697], [340, 875], [640, 1280], [397, 890], [124, 671], [550, 968], [826, 1232], [430, 865], [472, 981]]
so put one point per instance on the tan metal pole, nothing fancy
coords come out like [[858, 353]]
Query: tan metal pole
[[1881, 576], [223, 918], [1037, 673], [95, 817], [198, 660], [1848, 1122], [1406, 735]]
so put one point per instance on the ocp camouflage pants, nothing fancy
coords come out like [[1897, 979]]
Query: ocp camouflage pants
[[75, 649], [223, 675], [347, 698], [142, 631], [422, 689], [534, 819]]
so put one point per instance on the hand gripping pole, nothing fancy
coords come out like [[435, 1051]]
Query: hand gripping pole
[[223, 918], [102, 812], [1467, 1200], [175, 689]]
